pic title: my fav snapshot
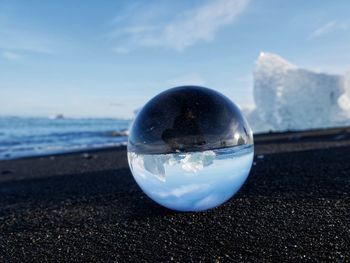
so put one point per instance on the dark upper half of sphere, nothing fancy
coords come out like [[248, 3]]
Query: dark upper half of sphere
[[185, 119]]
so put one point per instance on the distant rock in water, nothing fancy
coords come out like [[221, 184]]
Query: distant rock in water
[[289, 98], [120, 133], [57, 117]]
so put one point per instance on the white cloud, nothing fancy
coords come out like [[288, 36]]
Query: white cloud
[[330, 27], [209, 201], [202, 23], [181, 31], [10, 55], [182, 190]]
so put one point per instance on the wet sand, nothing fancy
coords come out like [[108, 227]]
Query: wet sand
[[85, 206]]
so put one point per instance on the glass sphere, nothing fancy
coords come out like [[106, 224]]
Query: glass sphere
[[190, 148]]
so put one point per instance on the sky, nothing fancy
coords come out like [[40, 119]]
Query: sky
[[87, 58]]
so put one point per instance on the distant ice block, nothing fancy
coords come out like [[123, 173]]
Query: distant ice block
[[289, 98], [196, 161], [344, 99]]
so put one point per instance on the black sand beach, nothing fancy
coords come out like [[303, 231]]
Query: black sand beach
[[294, 207]]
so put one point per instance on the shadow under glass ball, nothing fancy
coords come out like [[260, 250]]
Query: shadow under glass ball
[[190, 148]]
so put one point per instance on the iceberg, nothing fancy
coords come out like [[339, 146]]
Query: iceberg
[[290, 98]]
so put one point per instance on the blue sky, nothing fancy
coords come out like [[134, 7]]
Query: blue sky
[[107, 58]]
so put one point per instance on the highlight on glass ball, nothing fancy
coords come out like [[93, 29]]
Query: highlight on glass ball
[[190, 148]]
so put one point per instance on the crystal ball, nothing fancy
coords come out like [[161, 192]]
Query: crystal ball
[[190, 148]]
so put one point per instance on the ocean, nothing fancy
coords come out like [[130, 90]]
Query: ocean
[[22, 137]]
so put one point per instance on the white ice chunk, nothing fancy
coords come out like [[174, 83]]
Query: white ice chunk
[[154, 164], [289, 98], [196, 161], [344, 99]]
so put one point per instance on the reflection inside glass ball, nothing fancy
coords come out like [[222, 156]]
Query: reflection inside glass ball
[[190, 149]]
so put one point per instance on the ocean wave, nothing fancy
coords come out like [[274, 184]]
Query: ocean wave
[[121, 133], [31, 136], [39, 151]]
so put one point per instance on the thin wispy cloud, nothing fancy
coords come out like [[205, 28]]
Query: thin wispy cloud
[[10, 55], [152, 28], [22, 40], [18, 37], [182, 190], [328, 28]]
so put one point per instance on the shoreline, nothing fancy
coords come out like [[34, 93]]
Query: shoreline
[[321, 133], [65, 152]]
